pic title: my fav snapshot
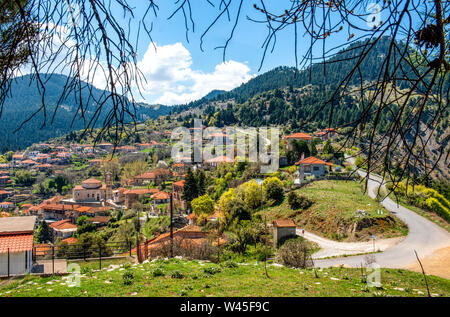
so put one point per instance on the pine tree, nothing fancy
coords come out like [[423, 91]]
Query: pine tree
[[200, 179], [44, 233], [190, 190]]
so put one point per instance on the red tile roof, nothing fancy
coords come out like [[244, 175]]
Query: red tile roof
[[312, 161], [63, 224], [179, 183], [298, 135], [285, 223], [70, 240], [16, 243], [161, 196], [220, 159], [141, 191]]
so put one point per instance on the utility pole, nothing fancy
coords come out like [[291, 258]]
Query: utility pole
[[171, 225], [138, 229]]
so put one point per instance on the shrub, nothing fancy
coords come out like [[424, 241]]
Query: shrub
[[295, 253], [273, 188], [298, 202], [434, 205], [211, 270], [158, 272], [230, 264], [177, 274], [128, 277]]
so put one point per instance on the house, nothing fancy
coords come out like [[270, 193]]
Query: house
[[99, 221], [16, 245], [127, 149], [296, 137], [106, 146], [161, 198], [214, 162], [16, 158], [43, 159], [156, 176], [177, 195], [7, 205], [118, 196], [282, 230], [63, 229], [312, 166], [28, 163], [5, 180], [132, 195], [326, 134], [4, 194], [95, 162]]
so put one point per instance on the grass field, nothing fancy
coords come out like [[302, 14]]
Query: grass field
[[333, 213], [196, 279]]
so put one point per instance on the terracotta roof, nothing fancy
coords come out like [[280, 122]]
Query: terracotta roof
[[191, 216], [161, 196], [16, 243], [91, 181], [220, 159], [141, 191], [70, 240], [83, 209], [179, 183], [29, 162], [148, 175], [312, 160], [63, 224], [178, 165], [99, 219], [298, 135], [284, 223]]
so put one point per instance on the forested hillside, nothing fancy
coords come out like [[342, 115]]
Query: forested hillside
[[25, 99]]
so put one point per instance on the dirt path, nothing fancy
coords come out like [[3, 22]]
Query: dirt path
[[437, 263]]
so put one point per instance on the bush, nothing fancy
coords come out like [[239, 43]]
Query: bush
[[295, 253], [177, 274], [298, 202], [128, 277], [230, 264], [434, 205], [211, 270], [273, 188], [158, 272]]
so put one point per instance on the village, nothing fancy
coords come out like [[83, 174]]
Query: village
[[92, 205]]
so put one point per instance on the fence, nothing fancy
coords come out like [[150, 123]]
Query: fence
[[46, 257]]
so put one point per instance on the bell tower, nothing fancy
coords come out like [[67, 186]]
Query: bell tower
[[108, 182]]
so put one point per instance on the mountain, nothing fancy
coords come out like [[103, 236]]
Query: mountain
[[25, 99]]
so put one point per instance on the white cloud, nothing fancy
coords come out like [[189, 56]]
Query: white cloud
[[171, 79]]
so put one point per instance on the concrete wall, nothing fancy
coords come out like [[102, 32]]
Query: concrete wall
[[89, 194], [17, 264], [279, 233]]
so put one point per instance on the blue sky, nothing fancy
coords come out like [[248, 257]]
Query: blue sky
[[178, 71]]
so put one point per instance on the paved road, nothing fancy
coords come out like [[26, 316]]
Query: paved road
[[424, 236], [330, 248]]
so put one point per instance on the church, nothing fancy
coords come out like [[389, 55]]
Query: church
[[93, 190]]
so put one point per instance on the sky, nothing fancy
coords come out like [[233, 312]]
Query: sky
[[178, 71]]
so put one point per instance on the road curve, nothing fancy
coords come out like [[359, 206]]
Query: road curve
[[424, 236]]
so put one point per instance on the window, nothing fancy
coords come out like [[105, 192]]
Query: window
[[316, 168]]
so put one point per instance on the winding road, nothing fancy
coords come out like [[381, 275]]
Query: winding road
[[424, 236]]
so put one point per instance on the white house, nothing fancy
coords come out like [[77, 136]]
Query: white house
[[312, 166], [16, 245]]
